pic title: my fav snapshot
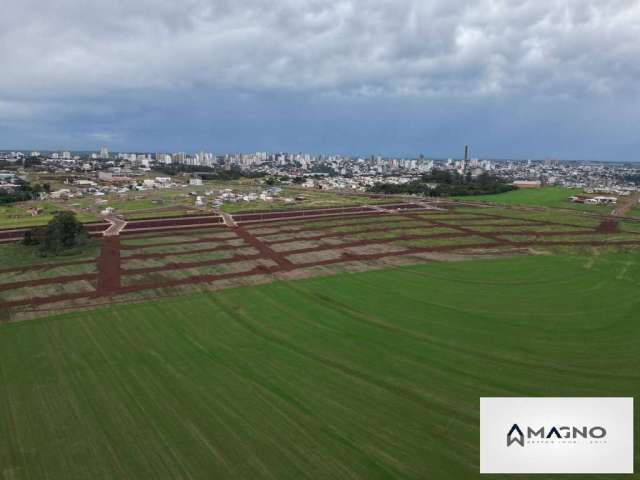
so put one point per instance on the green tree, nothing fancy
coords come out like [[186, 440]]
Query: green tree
[[63, 232]]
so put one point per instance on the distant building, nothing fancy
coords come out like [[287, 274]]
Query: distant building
[[528, 184], [7, 177], [104, 152]]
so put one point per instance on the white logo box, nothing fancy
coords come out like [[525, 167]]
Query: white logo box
[[556, 435]]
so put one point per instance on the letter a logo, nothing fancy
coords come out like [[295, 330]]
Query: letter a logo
[[515, 435]]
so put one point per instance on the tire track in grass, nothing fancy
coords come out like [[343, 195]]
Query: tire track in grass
[[373, 319], [442, 409], [442, 366], [10, 463], [271, 392], [332, 432], [75, 393], [160, 389], [125, 389], [204, 398], [437, 367], [243, 319]]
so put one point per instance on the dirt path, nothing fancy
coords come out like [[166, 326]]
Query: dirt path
[[264, 249], [109, 266], [626, 204]]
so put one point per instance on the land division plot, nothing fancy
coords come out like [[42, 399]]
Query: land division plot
[[164, 258]]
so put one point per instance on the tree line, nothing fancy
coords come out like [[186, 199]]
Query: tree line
[[206, 173], [23, 192], [440, 183]]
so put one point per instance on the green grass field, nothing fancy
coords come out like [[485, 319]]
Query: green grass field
[[554, 197], [370, 375], [13, 255], [17, 216], [634, 211]]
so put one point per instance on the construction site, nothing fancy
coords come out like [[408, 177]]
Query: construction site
[[168, 256]]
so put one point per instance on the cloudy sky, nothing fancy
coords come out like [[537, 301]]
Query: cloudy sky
[[513, 78]]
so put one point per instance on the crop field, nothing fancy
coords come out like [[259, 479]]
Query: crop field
[[163, 258], [370, 375]]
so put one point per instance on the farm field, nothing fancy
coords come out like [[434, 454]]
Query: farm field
[[368, 375], [554, 197]]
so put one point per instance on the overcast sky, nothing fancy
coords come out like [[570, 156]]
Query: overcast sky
[[513, 78]]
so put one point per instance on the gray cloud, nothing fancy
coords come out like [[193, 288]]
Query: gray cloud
[[512, 77], [350, 47]]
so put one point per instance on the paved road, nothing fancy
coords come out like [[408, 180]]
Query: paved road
[[228, 220]]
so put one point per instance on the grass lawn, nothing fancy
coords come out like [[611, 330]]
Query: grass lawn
[[17, 255], [372, 375], [554, 197], [556, 216], [16, 216], [635, 211]]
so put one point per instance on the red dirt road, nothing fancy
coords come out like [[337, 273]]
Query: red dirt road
[[264, 249], [109, 267]]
